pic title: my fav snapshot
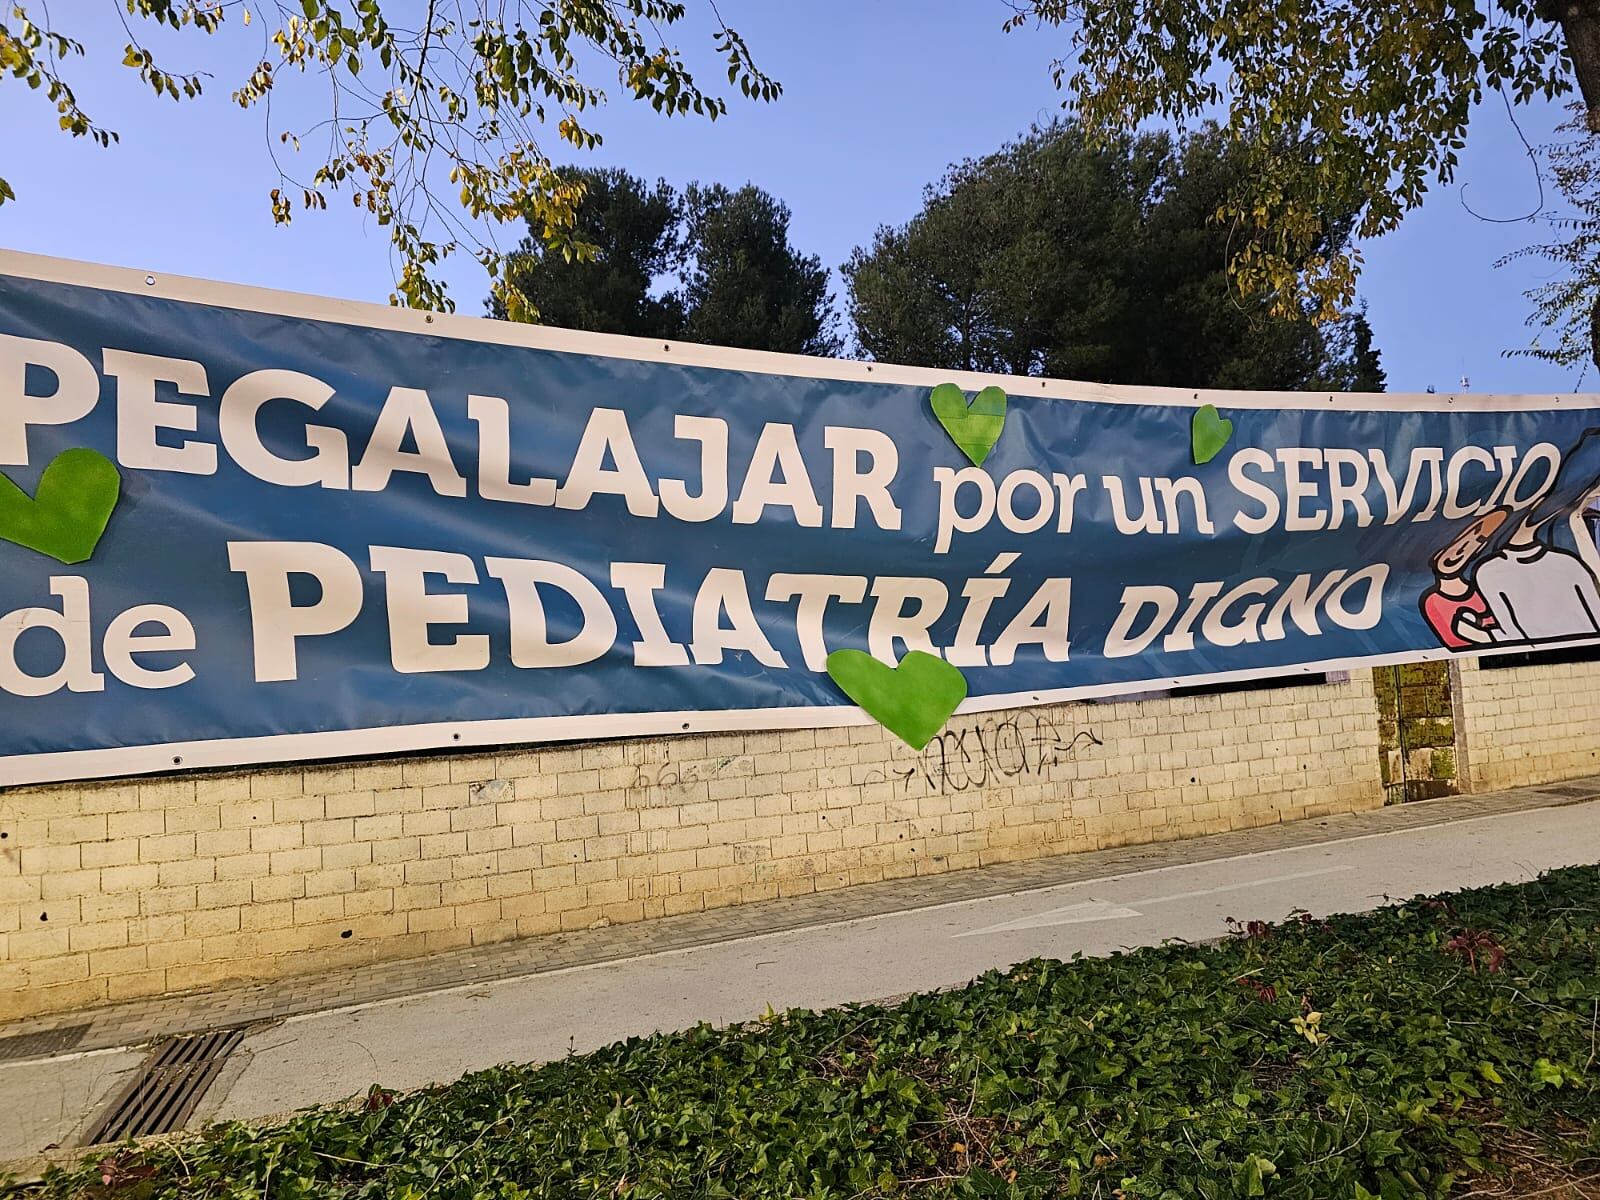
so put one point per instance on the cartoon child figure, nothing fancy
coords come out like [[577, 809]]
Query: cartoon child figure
[[1538, 591], [1453, 607], [1536, 587]]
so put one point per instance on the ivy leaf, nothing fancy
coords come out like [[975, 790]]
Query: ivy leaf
[[1546, 1073]]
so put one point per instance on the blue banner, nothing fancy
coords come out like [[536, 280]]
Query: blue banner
[[346, 529]]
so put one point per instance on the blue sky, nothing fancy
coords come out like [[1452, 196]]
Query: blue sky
[[878, 99]]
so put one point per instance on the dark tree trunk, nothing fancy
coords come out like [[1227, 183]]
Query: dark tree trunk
[[1580, 24], [1594, 332]]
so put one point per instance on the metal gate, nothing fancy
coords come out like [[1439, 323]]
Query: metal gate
[[1416, 731]]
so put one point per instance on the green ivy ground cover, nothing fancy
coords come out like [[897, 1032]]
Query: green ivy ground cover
[[1422, 1050]]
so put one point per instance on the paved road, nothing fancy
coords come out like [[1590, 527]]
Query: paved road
[[436, 1037]]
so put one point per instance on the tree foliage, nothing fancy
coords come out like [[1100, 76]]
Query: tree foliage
[[1566, 310], [1094, 259], [437, 111], [1345, 106], [744, 285], [637, 238], [712, 265]]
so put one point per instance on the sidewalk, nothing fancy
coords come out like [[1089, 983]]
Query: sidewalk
[[428, 1020]]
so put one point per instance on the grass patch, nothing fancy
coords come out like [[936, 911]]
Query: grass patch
[[1443, 1047]]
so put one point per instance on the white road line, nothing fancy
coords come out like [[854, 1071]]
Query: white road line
[[1102, 910], [70, 1056], [1072, 914], [1266, 881]]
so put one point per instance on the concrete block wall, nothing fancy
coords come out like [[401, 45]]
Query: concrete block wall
[[1525, 725], [113, 890]]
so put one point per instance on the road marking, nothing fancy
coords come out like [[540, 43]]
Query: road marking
[[1104, 910], [1072, 914], [1265, 881], [133, 1050]]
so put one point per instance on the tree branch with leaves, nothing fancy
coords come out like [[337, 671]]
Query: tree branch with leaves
[[1566, 309], [437, 114], [1346, 106]]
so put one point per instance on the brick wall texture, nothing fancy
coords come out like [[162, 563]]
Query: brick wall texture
[[111, 890], [1528, 724]]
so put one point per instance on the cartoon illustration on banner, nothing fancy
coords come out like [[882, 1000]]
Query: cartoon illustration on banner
[[1516, 577]]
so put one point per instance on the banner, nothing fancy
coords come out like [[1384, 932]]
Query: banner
[[241, 526]]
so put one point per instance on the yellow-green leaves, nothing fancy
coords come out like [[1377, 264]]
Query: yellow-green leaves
[[460, 90], [1350, 105], [1309, 1026]]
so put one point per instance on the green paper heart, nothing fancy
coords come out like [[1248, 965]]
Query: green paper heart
[[66, 517], [974, 427], [1209, 433], [912, 701]]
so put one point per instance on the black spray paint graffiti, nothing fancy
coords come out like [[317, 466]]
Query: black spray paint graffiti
[[995, 750], [650, 781], [990, 752]]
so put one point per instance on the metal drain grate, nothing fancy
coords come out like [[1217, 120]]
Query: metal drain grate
[[47, 1041], [168, 1086]]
